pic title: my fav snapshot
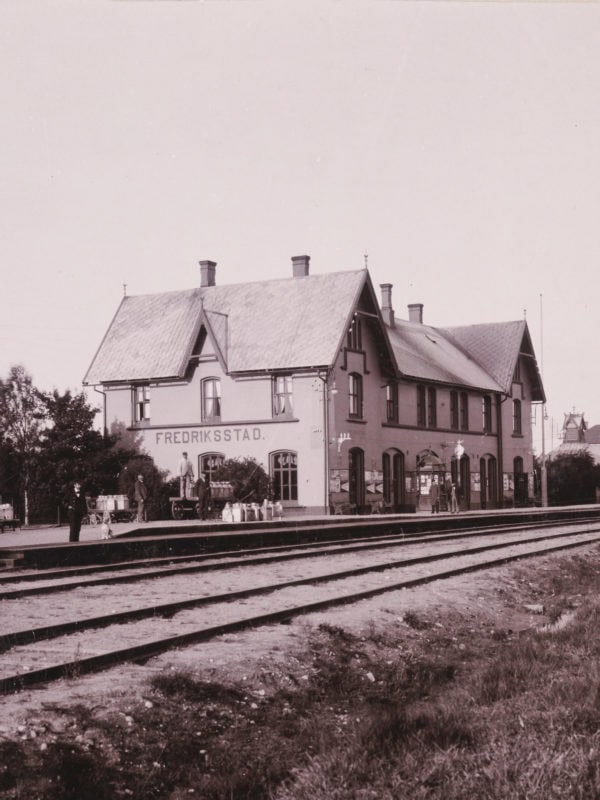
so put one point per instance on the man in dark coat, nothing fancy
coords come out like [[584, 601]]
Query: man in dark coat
[[77, 511], [202, 488], [141, 494]]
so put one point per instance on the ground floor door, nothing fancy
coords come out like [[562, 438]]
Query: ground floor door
[[356, 476]]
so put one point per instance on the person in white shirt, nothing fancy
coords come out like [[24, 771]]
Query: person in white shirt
[[186, 475]]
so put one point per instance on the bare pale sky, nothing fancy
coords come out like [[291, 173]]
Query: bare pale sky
[[455, 143]]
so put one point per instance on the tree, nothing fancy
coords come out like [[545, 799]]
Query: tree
[[572, 479], [21, 421], [157, 504], [249, 480], [72, 450]]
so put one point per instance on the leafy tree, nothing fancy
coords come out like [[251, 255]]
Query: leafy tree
[[249, 480], [157, 504], [72, 450], [21, 421], [572, 479]]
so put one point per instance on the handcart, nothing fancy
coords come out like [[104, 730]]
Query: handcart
[[117, 506], [208, 506], [7, 518]]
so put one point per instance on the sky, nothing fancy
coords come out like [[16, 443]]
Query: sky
[[455, 144]]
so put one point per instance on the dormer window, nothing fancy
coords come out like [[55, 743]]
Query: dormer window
[[517, 375], [354, 338]]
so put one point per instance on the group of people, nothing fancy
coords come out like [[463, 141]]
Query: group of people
[[435, 494], [78, 510]]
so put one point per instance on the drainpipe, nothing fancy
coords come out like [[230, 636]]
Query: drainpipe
[[327, 392], [500, 476]]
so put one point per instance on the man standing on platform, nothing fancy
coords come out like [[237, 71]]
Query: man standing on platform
[[77, 511], [140, 493], [434, 497], [186, 475]]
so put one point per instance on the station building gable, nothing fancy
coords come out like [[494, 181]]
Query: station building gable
[[342, 402]]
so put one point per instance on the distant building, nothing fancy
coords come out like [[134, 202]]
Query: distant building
[[578, 438], [346, 406]]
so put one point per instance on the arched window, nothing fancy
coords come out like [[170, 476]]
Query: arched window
[[284, 475], [488, 476], [393, 477], [355, 395], [209, 463], [517, 425], [356, 476], [518, 465], [211, 400], [520, 482]]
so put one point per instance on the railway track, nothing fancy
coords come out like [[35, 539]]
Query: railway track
[[199, 613], [55, 580]]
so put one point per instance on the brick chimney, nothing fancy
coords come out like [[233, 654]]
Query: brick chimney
[[387, 312], [415, 312], [300, 266], [208, 270]]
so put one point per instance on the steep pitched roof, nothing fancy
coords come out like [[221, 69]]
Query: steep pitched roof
[[496, 347], [576, 448], [288, 323], [428, 353], [592, 435]]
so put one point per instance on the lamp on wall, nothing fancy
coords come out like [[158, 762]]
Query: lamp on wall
[[459, 450]]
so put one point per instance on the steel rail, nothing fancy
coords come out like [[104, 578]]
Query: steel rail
[[142, 652], [25, 637], [409, 537], [287, 553]]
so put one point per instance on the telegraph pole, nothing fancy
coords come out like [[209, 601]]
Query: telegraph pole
[[544, 472]]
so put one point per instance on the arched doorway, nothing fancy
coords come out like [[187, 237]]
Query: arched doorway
[[429, 466], [356, 476], [460, 469], [488, 476], [393, 478], [520, 482]]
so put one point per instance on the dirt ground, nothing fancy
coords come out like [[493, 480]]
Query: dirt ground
[[494, 600]]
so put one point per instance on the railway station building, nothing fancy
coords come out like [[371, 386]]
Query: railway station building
[[348, 407]]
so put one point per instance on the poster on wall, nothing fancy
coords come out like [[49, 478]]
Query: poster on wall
[[338, 480], [374, 481], [476, 482]]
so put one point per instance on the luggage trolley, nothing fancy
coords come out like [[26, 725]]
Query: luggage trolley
[[117, 506], [211, 506]]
